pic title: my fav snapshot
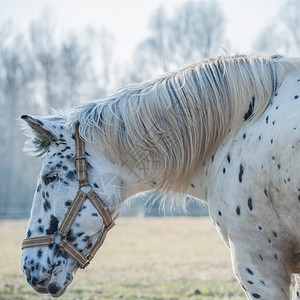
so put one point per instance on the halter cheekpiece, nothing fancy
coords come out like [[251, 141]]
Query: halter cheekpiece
[[59, 237]]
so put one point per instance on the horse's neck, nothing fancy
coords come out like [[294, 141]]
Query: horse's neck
[[135, 184], [198, 185]]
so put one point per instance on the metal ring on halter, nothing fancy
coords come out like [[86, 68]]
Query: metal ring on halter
[[85, 264], [85, 189], [57, 238]]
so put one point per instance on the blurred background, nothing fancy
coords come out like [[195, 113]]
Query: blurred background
[[56, 54]]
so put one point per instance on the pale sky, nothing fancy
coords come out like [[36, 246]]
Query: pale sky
[[128, 19]]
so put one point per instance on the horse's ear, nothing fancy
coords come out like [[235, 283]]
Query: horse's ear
[[42, 129]]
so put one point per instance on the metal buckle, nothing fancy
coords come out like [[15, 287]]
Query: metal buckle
[[85, 264], [80, 157]]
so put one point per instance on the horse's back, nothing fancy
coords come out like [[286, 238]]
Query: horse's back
[[260, 168]]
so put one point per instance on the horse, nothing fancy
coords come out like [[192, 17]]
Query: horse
[[223, 130]]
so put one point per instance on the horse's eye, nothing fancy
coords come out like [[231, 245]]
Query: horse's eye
[[50, 178]]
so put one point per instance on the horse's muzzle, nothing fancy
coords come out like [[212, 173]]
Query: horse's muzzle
[[47, 282], [39, 285]]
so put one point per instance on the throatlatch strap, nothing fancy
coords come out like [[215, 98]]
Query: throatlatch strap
[[101, 241], [101, 208], [81, 170]]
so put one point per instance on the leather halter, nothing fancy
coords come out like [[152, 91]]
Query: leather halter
[[59, 237]]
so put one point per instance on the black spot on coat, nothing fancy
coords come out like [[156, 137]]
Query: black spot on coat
[[46, 205], [249, 271], [250, 203], [241, 173], [68, 203], [71, 237], [53, 226], [71, 175], [249, 112], [86, 238]]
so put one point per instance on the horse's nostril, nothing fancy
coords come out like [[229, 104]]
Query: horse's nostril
[[53, 288], [34, 281]]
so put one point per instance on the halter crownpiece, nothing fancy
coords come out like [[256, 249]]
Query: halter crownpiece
[[59, 237]]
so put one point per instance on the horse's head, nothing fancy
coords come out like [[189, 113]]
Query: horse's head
[[49, 268]]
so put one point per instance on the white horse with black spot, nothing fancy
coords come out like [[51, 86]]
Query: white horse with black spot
[[225, 131]]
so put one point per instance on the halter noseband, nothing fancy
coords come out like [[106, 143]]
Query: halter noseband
[[59, 237]]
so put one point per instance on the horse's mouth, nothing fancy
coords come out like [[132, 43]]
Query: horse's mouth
[[58, 283], [52, 284], [53, 289], [41, 290]]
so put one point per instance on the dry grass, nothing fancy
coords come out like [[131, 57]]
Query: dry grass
[[152, 258]]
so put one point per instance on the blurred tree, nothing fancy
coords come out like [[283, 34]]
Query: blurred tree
[[39, 72], [43, 37], [101, 46], [282, 35], [76, 72], [199, 31], [15, 87], [195, 31]]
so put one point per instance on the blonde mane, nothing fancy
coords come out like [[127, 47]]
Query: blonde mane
[[166, 128]]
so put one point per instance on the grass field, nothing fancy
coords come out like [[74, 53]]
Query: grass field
[[151, 258]]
